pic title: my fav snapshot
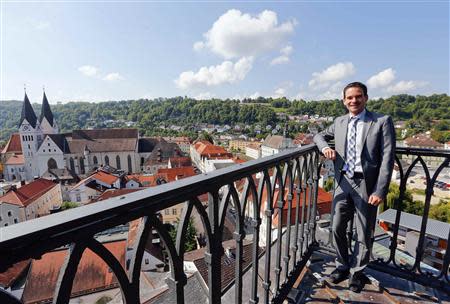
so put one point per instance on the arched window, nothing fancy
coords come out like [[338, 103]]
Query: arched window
[[130, 167], [106, 160], [72, 164], [142, 161], [82, 171], [118, 162], [51, 164], [95, 160]]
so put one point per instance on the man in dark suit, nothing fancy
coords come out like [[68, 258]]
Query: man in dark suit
[[363, 162]]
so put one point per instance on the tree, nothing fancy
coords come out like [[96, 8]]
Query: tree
[[190, 237], [393, 195], [206, 136], [441, 211], [69, 205], [328, 184]]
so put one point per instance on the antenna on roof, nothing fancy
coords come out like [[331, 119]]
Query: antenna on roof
[[43, 88], [25, 88]]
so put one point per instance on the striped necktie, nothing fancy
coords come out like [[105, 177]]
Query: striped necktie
[[351, 148]]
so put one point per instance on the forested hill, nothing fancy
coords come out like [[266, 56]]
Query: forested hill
[[149, 114]]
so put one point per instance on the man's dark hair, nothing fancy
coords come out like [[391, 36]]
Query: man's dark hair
[[356, 84]]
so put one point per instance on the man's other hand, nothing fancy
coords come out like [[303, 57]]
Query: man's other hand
[[329, 153], [375, 200]]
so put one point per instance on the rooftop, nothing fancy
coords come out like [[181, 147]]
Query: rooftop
[[414, 222]]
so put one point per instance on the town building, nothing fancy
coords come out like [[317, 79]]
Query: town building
[[253, 150], [208, 157], [274, 144], [93, 186], [30, 201], [424, 141], [436, 235]]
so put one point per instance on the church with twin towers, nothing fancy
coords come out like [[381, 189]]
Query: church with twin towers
[[39, 147]]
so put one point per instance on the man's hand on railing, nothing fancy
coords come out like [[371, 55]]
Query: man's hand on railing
[[329, 153], [375, 200]]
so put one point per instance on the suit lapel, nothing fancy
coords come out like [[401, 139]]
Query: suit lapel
[[368, 121], [343, 125]]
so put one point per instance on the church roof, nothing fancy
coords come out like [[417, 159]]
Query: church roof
[[61, 141], [105, 133], [28, 112], [147, 144], [46, 111], [103, 140], [13, 145], [102, 145]]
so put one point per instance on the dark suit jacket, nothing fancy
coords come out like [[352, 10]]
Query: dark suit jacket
[[378, 149]]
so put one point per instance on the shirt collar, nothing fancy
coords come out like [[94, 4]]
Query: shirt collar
[[360, 116]]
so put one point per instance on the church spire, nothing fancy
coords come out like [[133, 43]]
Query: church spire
[[46, 111], [28, 112]]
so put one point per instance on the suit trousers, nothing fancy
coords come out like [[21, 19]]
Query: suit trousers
[[351, 201]]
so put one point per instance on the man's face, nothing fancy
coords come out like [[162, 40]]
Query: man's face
[[354, 100]]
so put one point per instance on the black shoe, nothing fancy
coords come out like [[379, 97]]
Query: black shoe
[[337, 276], [357, 281]]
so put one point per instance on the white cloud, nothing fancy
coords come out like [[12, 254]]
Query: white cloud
[[280, 92], [333, 92], [226, 72], [254, 95], [198, 46], [204, 95], [405, 86], [236, 35], [280, 60], [381, 79], [251, 96], [335, 72], [113, 77], [287, 50], [284, 57], [88, 70]]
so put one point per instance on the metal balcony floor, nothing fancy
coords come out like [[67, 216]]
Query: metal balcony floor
[[313, 287]]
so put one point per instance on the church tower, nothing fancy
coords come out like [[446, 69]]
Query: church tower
[[47, 121], [31, 137]]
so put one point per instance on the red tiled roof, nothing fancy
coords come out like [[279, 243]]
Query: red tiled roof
[[181, 161], [144, 180], [15, 160], [205, 148], [8, 277], [422, 140], [92, 275], [324, 200], [110, 193], [13, 145], [303, 139], [173, 174], [26, 194], [104, 177]]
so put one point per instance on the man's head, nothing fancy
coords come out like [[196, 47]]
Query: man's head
[[355, 97]]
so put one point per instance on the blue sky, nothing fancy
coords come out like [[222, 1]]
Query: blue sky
[[126, 50]]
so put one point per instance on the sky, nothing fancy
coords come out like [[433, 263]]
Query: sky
[[122, 50]]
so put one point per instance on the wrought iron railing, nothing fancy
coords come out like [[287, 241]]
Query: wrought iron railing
[[418, 159], [270, 185], [408, 159]]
